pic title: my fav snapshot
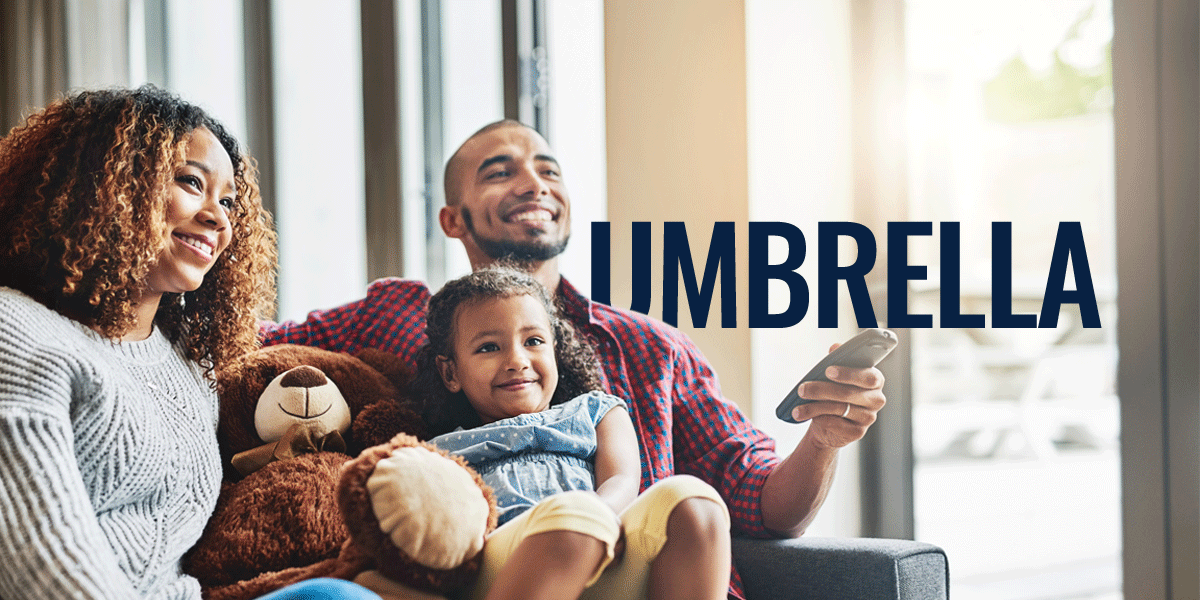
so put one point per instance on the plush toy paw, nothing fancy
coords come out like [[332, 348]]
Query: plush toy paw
[[421, 513]]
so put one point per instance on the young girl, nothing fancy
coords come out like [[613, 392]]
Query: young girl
[[513, 386], [134, 258]]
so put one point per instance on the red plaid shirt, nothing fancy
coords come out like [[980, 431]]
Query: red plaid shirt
[[684, 424]]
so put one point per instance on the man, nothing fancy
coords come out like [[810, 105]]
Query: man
[[505, 199]]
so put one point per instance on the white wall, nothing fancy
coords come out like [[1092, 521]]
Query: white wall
[[799, 147]]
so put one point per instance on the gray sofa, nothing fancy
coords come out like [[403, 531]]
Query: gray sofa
[[842, 569]]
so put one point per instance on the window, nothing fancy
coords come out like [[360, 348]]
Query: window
[[318, 162]]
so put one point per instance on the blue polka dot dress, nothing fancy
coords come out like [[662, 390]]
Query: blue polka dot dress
[[529, 457]]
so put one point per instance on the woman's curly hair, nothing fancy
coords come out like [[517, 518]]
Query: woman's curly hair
[[83, 191], [578, 369]]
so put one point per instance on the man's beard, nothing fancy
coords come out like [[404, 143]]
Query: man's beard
[[513, 251]]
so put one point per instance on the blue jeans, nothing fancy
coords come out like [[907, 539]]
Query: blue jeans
[[322, 589]]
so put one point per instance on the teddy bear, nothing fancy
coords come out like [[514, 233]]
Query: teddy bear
[[325, 475]]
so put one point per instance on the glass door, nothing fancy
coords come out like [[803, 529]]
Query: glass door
[[1015, 430]]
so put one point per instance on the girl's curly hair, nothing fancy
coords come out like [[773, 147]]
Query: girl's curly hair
[[83, 190], [578, 369]]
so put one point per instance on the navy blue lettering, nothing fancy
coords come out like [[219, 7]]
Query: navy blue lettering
[[601, 262], [1002, 292], [640, 274], [677, 258], [1068, 245], [761, 272], [951, 281], [899, 273], [855, 275]]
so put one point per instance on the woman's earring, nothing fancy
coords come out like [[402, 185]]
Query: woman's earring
[[452, 386]]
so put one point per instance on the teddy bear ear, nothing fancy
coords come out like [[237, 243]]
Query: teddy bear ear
[[380, 422], [393, 367]]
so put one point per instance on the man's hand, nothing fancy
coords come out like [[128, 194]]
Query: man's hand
[[843, 410], [846, 406]]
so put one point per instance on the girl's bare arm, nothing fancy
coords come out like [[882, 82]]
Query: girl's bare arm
[[618, 464]]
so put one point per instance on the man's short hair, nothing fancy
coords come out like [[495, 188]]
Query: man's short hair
[[448, 187]]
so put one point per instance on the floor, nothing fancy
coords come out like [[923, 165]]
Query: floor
[[1025, 529]]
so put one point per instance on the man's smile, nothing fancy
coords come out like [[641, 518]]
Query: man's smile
[[527, 212]]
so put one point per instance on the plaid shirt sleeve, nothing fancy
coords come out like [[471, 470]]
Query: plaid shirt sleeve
[[391, 317], [715, 441]]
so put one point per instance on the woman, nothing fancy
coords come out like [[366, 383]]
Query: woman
[[135, 259]]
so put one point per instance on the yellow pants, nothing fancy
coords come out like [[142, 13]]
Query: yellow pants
[[644, 521]]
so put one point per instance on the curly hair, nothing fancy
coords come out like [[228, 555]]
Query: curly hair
[[83, 191], [578, 368]]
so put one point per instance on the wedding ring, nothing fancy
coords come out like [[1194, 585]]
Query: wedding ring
[[844, 414]]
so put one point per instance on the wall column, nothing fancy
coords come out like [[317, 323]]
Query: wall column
[[675, 81]]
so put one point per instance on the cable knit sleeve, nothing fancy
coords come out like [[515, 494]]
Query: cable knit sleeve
[[51, 544]]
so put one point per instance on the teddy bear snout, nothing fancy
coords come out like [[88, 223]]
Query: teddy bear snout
[[300, 395], [308, 402]]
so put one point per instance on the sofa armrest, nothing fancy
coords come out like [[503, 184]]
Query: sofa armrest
[[841, 569]]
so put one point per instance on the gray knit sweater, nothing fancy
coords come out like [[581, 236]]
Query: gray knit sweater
[[109, 465]]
